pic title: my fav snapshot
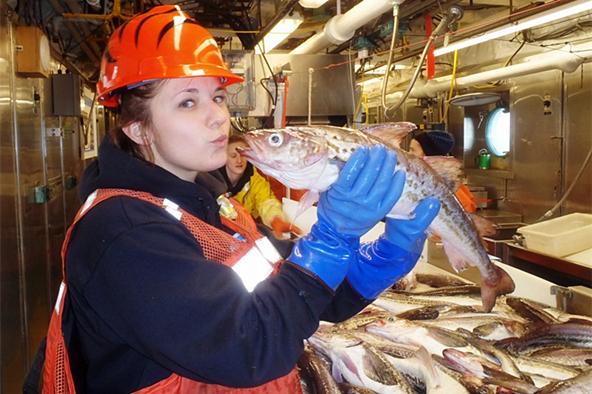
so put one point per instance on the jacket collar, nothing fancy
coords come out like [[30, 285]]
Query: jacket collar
[[115, 168]]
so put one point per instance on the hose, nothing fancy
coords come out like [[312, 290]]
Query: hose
[[390, 57], [441, 26], [550, 212], [452, 86]]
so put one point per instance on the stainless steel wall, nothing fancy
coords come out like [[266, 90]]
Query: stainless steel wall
[[578, 138], [31, 230], [335, 79], [547, 150]]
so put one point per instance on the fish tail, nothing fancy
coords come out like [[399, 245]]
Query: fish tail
[[495, 285]]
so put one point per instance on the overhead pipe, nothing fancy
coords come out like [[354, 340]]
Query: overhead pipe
[[567, 59], [453, 14], [76, 34], [342, 27]]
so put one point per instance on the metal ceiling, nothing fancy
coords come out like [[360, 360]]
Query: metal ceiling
[[78, 29]]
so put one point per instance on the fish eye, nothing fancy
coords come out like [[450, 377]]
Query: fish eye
[[275, 139]]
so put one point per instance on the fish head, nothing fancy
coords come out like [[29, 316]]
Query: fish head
[[296, 156]]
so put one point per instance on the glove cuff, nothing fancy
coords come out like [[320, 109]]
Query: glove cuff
[[325, 253], [378, 266]]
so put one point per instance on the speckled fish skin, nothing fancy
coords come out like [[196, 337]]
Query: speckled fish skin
[[311, 157]]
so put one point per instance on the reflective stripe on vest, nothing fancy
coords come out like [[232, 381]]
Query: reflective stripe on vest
[[252, 260]]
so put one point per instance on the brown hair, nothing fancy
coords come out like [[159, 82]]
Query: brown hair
[[135, 107]]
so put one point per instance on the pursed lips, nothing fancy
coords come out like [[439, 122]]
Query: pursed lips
[[220, 140]]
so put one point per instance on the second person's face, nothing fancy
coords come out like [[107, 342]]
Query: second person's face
[[236, 164], [190, 125]]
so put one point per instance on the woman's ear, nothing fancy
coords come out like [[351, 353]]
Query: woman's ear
[[136, 133]]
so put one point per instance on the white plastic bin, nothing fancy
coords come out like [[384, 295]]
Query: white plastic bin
[[560, 236]]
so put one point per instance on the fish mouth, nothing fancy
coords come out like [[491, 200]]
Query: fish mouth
[[244, 150], [253, 152]]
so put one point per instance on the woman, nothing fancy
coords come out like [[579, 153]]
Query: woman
[[440, 143], [158, 295], [249, 188]]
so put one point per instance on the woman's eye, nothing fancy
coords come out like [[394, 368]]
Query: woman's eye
[[189, 103], [219, 99]]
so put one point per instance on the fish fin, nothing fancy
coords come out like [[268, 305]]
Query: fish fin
[[498, 284], [335, 371], [484, 226], [308, 199], [392, 133], [449, 168], [425, 358], [455, 257]]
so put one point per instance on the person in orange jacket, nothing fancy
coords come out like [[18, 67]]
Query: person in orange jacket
[[440, 143], [162, 294], [246, 185]]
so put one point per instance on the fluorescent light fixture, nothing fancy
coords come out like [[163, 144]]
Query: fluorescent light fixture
[[312, 3], [279, 33], [541, 18]]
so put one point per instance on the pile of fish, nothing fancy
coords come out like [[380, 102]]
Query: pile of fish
[[437, 339]]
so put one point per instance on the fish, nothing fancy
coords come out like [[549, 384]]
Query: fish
[[448, 291], [572, 357], [530, 311], [575, 385], [434, 312], [545, 368], [434, 339], [311, 157], [359, 363], [440, 280], [498, 356], [487, 371], [317, 373], [565, 334]]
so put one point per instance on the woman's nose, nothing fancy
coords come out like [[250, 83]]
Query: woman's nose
[[218, 115]]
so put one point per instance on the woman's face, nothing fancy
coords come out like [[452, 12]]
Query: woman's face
[[415, 148], [236, 164], [190, 125]]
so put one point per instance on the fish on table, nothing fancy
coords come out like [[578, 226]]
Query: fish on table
[[311, 157], [434, 348]]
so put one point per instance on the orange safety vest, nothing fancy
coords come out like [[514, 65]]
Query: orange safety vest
[[466, 198], [245, 257]]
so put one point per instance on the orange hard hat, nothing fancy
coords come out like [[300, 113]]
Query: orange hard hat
[[163, 42]]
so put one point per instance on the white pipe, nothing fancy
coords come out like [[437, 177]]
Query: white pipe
[[563, 60], [342, 27]]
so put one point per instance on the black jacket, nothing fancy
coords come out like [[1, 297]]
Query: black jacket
[[144, 301]]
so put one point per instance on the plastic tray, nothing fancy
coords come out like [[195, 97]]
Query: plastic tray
[[561, 236]]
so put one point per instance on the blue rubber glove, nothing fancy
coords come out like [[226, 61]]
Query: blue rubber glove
[[364, 193], [381, 263]]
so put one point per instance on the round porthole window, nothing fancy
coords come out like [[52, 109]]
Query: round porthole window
[[469, 133], [497, 132]]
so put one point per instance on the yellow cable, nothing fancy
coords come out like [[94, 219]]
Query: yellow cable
[[452, 85]]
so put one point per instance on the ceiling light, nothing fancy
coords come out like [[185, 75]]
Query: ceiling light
[[541, 18], [279, 33], [312, 3]]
